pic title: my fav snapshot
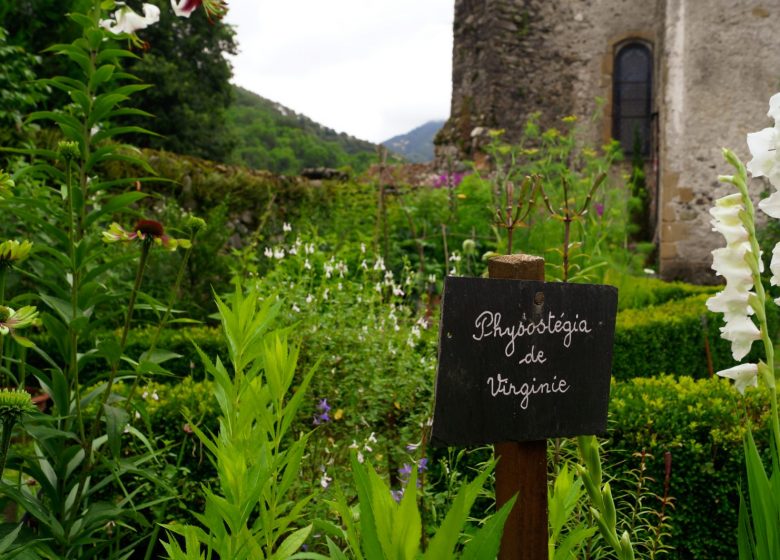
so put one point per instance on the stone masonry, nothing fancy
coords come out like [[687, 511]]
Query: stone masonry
[[715, 64]]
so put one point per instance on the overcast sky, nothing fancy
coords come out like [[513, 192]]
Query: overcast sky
[[370, 68]]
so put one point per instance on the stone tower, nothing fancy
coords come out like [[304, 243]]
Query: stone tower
[[712, 66]]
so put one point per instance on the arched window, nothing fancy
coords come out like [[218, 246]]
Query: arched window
[[632, 97]]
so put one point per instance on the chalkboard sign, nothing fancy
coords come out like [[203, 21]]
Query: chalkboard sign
[[522, 360]]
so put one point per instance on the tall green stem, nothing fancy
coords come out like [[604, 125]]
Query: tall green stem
[[164, 321], [89, 461], [3, 380]]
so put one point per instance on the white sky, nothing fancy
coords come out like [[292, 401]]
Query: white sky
[[370, 68]]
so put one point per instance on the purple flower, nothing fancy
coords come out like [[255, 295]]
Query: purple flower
[[397, 494], [405, 471], [448, 180], [323, 406], [422, 464], [321, 419], [599, 209]]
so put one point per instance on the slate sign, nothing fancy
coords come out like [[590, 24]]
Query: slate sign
[[522, 360]]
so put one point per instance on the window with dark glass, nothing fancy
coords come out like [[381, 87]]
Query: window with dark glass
[[632, 98]]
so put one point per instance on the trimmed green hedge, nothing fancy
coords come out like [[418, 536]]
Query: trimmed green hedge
[[670, 338], [637, 291], [701, 423]]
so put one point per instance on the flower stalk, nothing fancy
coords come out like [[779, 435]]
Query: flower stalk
[[747, 374]]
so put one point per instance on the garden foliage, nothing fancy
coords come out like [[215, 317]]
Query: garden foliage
[[299, 426]]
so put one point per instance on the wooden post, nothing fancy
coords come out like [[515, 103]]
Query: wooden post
[[522, 467]]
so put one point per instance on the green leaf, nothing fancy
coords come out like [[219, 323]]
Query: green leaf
[[407, 524], [746, 544], [764, 509], [102, 105], [371, 546], [487, 540], [63, 308], [110, 55], [83, 20], [115, 204], [109, 349], [292, 543], [116, 420], [76, 54], [101, 75], [7, 541], [444, 542]]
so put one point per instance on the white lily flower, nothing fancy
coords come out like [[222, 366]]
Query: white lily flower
[[125, 20], [183, 8], [744, 375], [741, 332]]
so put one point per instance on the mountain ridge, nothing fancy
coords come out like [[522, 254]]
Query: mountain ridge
[[416, 145]]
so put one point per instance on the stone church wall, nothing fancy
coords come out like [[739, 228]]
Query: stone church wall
[[716, 63]]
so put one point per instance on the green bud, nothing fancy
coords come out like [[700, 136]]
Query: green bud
[[626, 550], [14, 404], [195, 224], [606, 532], [766, 374], [68, 150], [13, 252], [610, 515]]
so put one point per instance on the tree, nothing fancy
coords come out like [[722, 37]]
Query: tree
[[186, 64]]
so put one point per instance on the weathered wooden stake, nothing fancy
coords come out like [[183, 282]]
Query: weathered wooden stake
[[522, 467]]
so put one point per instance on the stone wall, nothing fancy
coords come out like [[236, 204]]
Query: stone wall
[[716, 63]]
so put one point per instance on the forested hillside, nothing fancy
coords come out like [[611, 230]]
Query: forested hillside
[[271, 136], [193, 106]]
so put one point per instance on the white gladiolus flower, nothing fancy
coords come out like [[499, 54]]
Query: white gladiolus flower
[[764, 146], [735, 234], [771, 205], [744, 375], [774, 108], [741, 332], [731, 301], [730, 263], [774, 266], [125, 20]]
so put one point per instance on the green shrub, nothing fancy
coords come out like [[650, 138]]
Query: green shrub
[[670, 338], [637, 291], [186, 467], [701, 423]]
